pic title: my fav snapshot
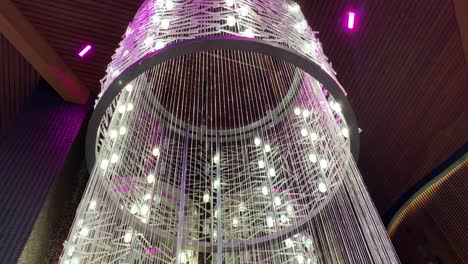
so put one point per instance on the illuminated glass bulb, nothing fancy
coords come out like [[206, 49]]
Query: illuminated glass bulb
[[114, 158], [144, 209], [156, 152], [257, 141], [206, 196], [244, 10], [269, 221], [305, 113], [216, 183], [128, 236], [289, 208], [216, 158], [235, 222], [301, 26], [129, 107], [104, 164], [229, 2], [147, 197], [337, 107], [248, 33], [70, 251], [300, 259], [113, 134], [297, 111], [277, 200], [288, 242], [304, 132], [122, 131], [284, 219], [242, 207], [134, 209], [322, 187], [183, 257], [231, 21], [169, 4], [215, 234], [323, 164], [261, 164], [129, 87], [159, 45], [148, 41], [272, 172], [150, 178], [122, 109], [264, 189], [92, 205], [345, 132], [165, 23], [313, 136], [313, 158], [84, 231], [294, 8], [267, 148], [156, 19]]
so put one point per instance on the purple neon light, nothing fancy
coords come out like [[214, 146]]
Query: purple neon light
[[85, 50], [351, 20]]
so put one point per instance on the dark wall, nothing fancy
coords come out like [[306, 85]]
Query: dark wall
[[33, 152]]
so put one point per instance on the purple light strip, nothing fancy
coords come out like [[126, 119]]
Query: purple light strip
[[84, 51]]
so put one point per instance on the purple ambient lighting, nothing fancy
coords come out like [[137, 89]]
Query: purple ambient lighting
[[351, 18], [85, 50]]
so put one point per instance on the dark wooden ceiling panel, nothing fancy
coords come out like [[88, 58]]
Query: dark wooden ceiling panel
[[403, 68]]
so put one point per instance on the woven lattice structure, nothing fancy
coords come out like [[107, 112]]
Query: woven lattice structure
[[223, 136]]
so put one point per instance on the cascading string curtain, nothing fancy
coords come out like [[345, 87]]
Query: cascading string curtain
[[223, 155]]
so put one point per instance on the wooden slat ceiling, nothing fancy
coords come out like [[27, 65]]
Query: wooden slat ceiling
[[403, 68]]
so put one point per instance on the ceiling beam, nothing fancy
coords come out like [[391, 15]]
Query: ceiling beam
[[19, 31], [461, 10]]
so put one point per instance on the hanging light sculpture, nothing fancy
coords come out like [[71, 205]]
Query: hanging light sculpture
[[222, 136]]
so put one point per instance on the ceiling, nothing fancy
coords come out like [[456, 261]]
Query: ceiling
[[403, 68]]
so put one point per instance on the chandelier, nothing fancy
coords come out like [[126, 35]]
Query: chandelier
[[222, 135]]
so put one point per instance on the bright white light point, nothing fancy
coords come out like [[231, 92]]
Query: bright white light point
[[165, 23], [150, 178], [115, 74], [267, 148], [169, 4], [313, 158], [265, 190], [235, 221], [128, 237], [269, 221], [305, 113], [129, 87], [216, 183], [216, 159], [114, 158], [242, 207], [244, 10], [122, 130], [289, 208], [294, 8], [92, 205], [125, 53], [148, 41], [70, 251], [130, 107], [257, 141], [122, 109], [277, 200], [104, 164], [134, 209], [283, 219], [304, 132], [144, 209], [249, 33], [300, 259], [345, 132], [229, 2], [147, 197], [231, 21], [156, 19], [261, 164], [288, 242], [322, 187], [297, 111], [313, 136], [338, 107], [206, 197], [272, 172], [84, 231], [182, 257], [323, 163], [75, 260], [159, 45], [156, 152]]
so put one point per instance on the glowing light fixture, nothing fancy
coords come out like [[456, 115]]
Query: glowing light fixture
[[85, 50], [351, 20]]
